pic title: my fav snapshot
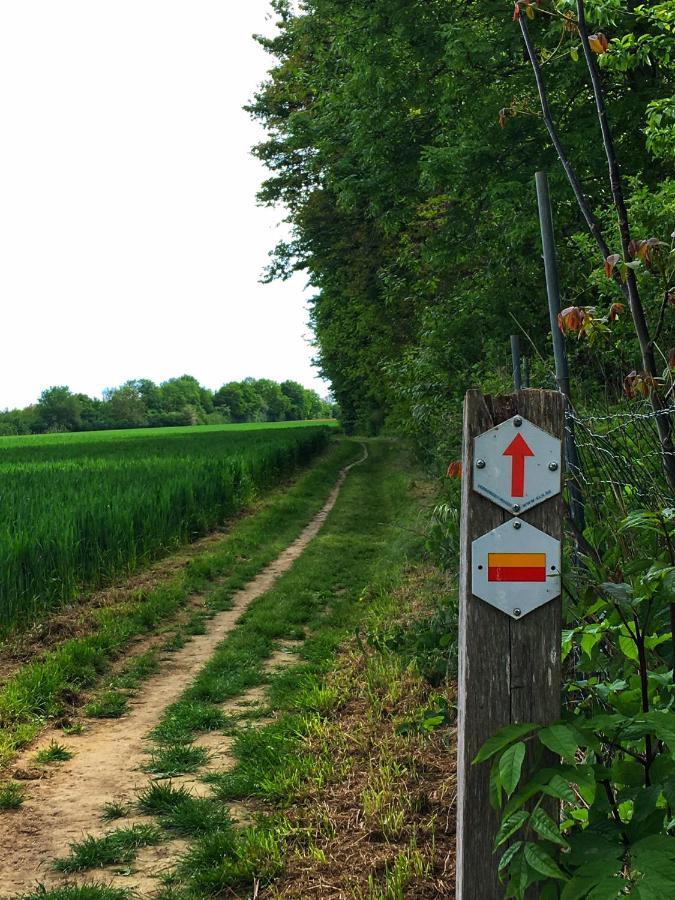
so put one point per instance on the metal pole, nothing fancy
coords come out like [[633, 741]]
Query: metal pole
[[562, 373], [515, 356]]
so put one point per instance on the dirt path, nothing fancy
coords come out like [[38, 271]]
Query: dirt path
[[67, 803]]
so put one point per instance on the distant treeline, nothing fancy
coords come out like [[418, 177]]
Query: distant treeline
[[178, 401]]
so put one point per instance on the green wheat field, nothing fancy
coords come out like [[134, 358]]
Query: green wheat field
[[78, 510]]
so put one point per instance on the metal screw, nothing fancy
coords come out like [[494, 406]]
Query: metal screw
[[515, 507], [517, 613], [480, 463], [517, 421], [517, 525], [553, 466]]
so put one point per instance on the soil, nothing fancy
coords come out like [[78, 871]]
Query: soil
[[66, 804]]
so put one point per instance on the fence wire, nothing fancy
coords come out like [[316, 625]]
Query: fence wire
[[619, 457]]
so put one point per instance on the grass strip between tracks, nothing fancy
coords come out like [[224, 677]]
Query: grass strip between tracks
[[50, 688]]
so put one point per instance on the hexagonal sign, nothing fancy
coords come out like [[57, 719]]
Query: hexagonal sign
[[516, 568], [517, 465]]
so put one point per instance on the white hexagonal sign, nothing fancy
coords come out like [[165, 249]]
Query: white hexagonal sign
[[516, 568], [517, 465]]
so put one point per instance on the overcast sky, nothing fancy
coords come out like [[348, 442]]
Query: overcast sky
[[130, 242]]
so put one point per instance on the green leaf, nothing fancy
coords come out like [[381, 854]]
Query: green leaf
[[509, 826], [558, 787], [510, 767], [622, 594], [502, 739], [629, 648], [496, 792], [589, 640], [505, 861], [608, 890], [561, 739], [544, 825], [541, 862], [549, 891]]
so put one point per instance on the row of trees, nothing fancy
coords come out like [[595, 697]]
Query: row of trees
[[178, 401], [403, 137]]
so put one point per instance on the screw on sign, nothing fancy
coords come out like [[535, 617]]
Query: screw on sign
[[516, 568], [517, 465]]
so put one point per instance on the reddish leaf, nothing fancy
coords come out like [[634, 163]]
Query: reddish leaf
[[571, 320], [671, 359], [628, 383], [641, 385], [615, 310], [502, 118], [610, 264], [633, 248], [455, 469], [598, 42], [671, 298], [516, 12], [647, 249]]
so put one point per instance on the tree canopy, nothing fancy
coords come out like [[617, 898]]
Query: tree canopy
[[178, 401], [403, 137]]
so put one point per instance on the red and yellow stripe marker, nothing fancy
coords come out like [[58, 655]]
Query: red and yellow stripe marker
[[516, 567]]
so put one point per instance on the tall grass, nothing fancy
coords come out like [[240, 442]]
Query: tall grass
[[76, 513]]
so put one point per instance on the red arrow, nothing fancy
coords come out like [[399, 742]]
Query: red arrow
[[518, 450]]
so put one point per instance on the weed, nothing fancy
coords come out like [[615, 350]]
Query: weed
[[177, 759], [110, 705], [115, 810], [174, 643], [78, 892], [184, 719], [74, 728], [159, 799], [54, 753], [11, 795], [117, 847], [407, 867]]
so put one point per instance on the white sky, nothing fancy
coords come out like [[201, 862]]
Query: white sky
[[130, 242]]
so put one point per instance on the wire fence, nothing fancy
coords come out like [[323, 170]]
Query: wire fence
[[620, 459]]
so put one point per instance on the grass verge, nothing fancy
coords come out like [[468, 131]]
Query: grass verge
[[50, 687]]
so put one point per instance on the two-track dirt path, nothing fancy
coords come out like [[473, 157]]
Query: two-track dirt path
[[107, 766]]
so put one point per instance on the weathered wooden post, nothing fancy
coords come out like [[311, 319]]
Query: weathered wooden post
[[510, 608]]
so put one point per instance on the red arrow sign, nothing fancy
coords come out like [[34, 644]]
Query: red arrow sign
[[518, 450]]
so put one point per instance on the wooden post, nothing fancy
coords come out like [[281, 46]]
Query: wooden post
[[509, 670]]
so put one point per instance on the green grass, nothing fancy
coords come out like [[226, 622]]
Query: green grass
[[11, 795], [177, 759], [45, 688], [113, 700], [179, 811], [365, 540], [54, 753], [81, 892], [88, 437], [76, 513], [115, 810], [117, 847]]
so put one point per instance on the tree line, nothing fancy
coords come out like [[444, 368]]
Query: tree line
[[403, 137], [178, 401]]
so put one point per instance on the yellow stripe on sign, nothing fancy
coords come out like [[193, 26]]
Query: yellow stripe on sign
[[516, 560]]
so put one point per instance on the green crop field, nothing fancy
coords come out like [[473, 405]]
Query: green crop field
[[76, 510]]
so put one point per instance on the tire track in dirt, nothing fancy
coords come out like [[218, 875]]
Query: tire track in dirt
[[107, 766]]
